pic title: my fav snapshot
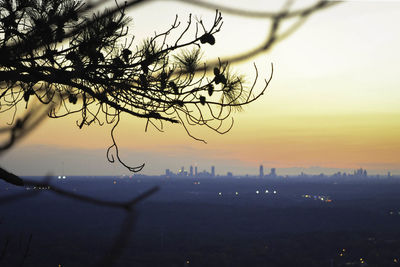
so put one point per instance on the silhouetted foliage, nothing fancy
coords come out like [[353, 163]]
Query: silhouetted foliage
[[54, 53], [50, 52], [56, 60]]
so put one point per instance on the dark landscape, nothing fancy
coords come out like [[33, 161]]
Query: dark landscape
[[219, 221]]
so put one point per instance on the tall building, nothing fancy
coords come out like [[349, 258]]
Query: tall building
[[195, 171], [191, 170], [261, 171], [361, 173], [273, 172], [212, 171], [167, 172]]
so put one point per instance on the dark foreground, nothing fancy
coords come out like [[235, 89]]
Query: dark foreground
[[187, 223]]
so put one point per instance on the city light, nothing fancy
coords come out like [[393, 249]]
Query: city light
[[321, 198], [40, 188], [394, 212]]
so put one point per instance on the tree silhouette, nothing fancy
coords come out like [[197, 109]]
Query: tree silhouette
[[57, 60], [51, 53]]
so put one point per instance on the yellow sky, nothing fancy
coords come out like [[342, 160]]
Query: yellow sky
[[333, 101]]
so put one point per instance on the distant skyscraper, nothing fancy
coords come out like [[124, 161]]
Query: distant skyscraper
[[212, 171], [273, 172], [167, 172], [261, 171], [191, 170], [360, 173], [195, 171]]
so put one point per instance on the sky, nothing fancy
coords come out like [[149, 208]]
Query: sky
[[332, 104]]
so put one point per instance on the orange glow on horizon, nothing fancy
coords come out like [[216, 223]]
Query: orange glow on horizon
[[352, 141]]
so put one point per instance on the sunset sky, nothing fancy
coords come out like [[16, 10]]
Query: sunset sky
[[333, 102]]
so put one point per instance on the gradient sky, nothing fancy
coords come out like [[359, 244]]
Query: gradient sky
[[333, 102]]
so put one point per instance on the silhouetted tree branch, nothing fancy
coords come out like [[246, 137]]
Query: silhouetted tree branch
[[4, 250], [22, 126], [121, 238], [53, 53], [275, 33], [56, 59]]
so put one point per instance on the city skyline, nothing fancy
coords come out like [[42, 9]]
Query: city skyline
[[182, 172], [59, 161]]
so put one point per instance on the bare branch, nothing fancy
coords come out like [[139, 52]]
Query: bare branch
[[56, 54]]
